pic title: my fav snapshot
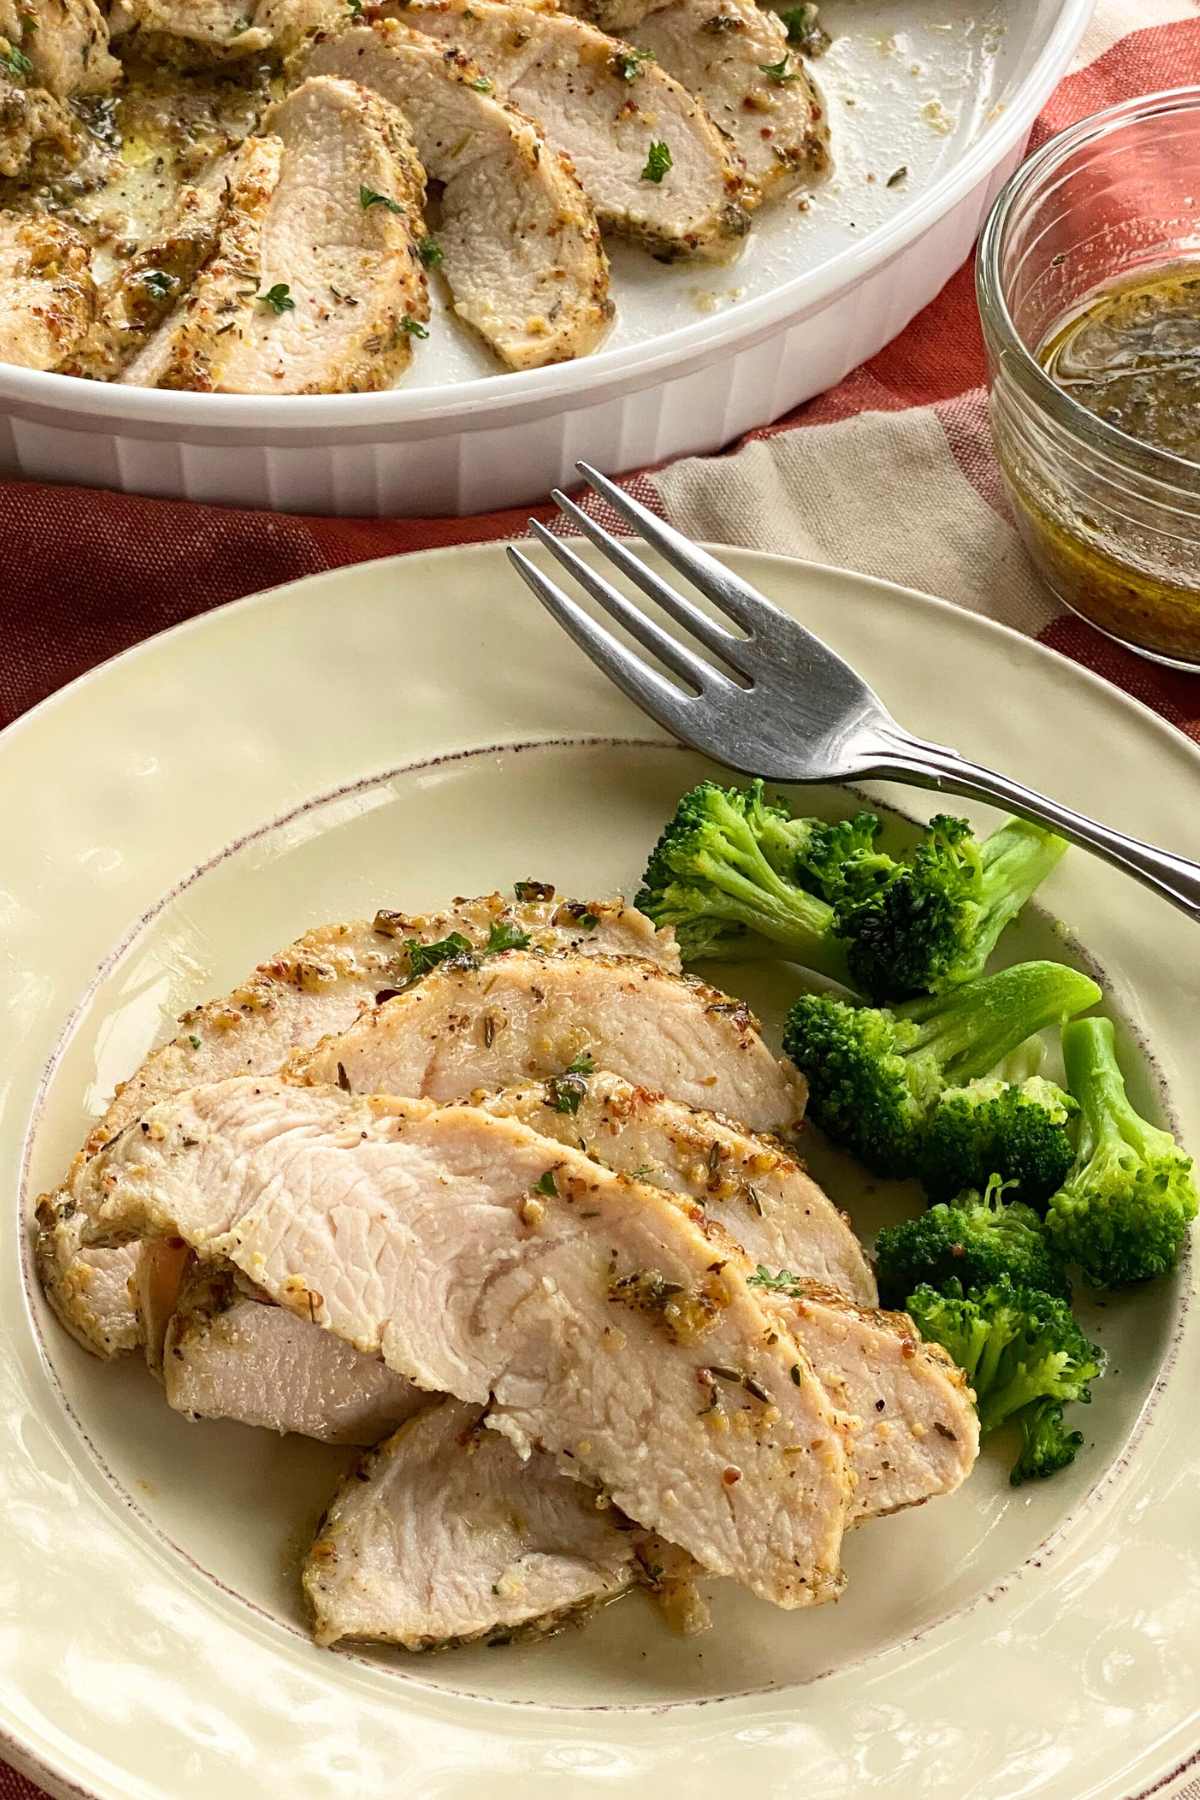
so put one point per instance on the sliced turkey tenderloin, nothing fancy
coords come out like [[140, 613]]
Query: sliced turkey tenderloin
[[735, 57], [519, 1016], [47, 298], [603, 1321], [607, 110], [230, 1353], [312, 988], [761, 1196], [445, 1535], [520, 246]]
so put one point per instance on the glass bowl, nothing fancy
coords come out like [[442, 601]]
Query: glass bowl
[[1112, 524]]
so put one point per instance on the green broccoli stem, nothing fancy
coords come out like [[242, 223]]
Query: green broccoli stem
[[1014, 862], [782, 841], [755, 895], [968, 1030], [1024, 1389], [1094, 1077]]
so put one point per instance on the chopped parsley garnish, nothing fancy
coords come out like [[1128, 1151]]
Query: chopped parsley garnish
[[781, 71], [898, 175], [583, 1065], [355, 8], [566, 1093], [16, 62], [658, 161], [194, 1041], [430, 252], [504, 935], [547, 1185], [158, 283], [628, 63], [802, 29], [782, 1282], [481, 84], [423, 957], [413, 327], [534, 890], [367, 197], [278, 298]]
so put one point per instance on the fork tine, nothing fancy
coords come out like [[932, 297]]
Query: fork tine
[[732, 596], [644, 686], [713, 636], [669, 650]]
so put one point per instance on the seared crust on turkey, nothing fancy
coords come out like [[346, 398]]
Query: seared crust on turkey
[[604, 1321], [47, 297], [312, 988], [445, 1535], [570, 78], [520, 246]]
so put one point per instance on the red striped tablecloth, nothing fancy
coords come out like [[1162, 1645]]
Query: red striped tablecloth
[[891, 473]]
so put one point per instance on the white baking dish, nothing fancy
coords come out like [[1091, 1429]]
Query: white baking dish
[[944, 90]]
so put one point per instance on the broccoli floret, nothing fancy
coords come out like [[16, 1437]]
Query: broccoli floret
[[995, 1127], [875, 1073], [723, 873], [977, 1240], [1123, 1211], [830, 852], [1046, 1445], [1019, 1348], [932, 920]]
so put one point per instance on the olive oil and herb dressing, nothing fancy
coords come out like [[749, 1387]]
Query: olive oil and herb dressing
[[1132, 357], [1088, 280], [1112, 551]]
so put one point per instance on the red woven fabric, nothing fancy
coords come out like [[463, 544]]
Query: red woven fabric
[[91, 573]]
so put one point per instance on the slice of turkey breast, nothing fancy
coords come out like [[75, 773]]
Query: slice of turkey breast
[[311, 291], [520, 245], [445, 1535], [37, 132], [758, 1193], [215, 31], [65, 43], [230, 1353], [314, 987], [519, 1016], [916, 1432], [570, 79], [192, 345], [735, 57], [599, 1317], [190, 31], [145, 290], [47, 298]]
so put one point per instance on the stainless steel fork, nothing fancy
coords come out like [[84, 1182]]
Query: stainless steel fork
[[784, 706]]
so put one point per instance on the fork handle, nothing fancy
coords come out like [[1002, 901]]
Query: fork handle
[[933, 766]]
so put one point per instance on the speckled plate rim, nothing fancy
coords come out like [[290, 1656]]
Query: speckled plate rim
[[1022, 1624]]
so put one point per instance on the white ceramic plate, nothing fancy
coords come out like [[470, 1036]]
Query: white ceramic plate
[[947, 89], [394, 734]]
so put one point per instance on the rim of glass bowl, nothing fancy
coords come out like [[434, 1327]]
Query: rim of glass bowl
[[1180, 473]]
